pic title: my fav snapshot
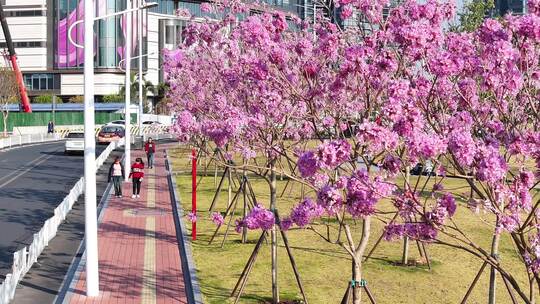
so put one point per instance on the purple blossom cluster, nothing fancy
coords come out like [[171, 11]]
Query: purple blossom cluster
[[332, 153], [376, 138], [532, 260], [462, 146], [364, 192], [217, 218], [192, 217], [307, 164], [330, 199], [425, 146], [491, 166], [407, 205], [416, 231], [258, 218], [305, 212], [328, 155]]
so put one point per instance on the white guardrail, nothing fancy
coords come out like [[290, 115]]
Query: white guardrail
[[26, 257], [156, 132], [19, 140]]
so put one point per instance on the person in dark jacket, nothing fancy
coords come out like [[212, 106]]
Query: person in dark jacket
[[50, 127], [150, 149], [137, 175], [116, 172]]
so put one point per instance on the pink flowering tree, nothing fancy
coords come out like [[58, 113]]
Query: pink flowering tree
[[396, 91], [467, 103], [241, 85]]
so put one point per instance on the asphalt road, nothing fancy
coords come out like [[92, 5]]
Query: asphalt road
[[33, 181]]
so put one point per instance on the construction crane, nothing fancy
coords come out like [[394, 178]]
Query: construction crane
[[25, 101]]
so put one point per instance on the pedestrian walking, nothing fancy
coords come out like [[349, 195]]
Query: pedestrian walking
[[50, 127], [150, 149], [137, 175], [116, 172]]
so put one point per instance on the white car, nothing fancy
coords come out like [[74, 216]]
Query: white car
[[74, 142]]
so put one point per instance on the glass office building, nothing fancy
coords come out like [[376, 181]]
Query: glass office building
[[109, 39], [169, 7]]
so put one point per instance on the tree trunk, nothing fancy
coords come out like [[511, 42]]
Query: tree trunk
[[493, 272], [244, 211], [357, 260], [357, 277], [531, 291], [273, 232], [405, 256], [5, 114], [229, 189]]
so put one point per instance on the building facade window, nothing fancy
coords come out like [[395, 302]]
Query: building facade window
[[167, 7], [24, 44], [42, 81], [32, 13], [503, 7], [109, 39]]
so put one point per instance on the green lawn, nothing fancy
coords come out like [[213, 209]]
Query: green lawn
[[325, 268]]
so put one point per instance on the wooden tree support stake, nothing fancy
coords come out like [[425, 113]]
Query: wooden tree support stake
[[247, 269], [242, 281], [477, 277], [218, 189], [347, 297], [293, 264], [231, 209]]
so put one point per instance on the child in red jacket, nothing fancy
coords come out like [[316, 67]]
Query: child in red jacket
[[137, 174]]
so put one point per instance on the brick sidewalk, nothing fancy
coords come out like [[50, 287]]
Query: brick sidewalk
[[138, 250]]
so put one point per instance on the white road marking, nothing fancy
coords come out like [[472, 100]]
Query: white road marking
[[25, 171], [22, 168]]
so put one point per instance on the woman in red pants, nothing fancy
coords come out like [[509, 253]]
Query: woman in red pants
[[137, 174]]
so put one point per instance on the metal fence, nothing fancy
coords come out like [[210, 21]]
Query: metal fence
[[156, 132], [18, 140], [26, 257]]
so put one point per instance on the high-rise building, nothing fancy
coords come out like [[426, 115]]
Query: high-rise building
[[52, 65]]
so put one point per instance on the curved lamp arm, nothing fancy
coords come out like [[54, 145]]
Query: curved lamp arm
[[136, 57], [69, 34], [145, 6]]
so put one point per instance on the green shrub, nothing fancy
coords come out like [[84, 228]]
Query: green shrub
[[113, 98], [76, 99], [43, 99]]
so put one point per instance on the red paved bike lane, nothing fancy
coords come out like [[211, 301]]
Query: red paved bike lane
[[138, 250]]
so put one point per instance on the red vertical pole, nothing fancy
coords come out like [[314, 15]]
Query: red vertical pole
[[193, 193]]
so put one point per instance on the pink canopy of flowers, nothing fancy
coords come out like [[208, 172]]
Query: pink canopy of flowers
[[404, 92]]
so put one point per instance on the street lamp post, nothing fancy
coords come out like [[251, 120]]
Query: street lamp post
[[139, 35], [90, 199], [133, 58], [127, 93], [90, 210]]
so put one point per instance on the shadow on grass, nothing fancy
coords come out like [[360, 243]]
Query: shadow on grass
[[221, 295], [396, 265]]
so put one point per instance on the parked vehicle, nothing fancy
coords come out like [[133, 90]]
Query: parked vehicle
[[421, 169], [74, 142], [152, 123], [109, 133], [120, 122]]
